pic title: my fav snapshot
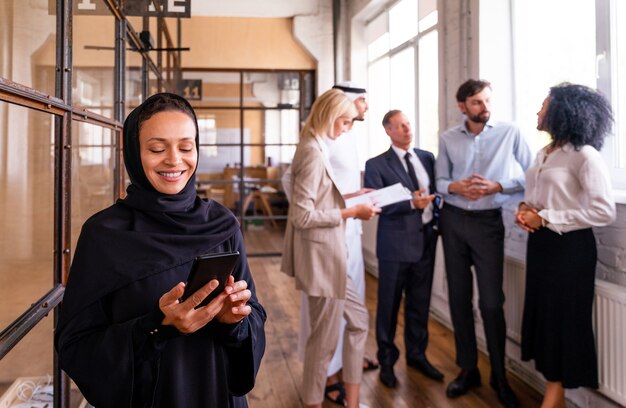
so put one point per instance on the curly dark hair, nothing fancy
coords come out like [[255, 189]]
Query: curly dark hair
[[470, 88], [578, 115]]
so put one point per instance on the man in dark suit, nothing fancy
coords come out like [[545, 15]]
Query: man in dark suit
[[405, 248]]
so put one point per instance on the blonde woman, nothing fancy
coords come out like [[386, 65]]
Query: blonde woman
[[315, 251]]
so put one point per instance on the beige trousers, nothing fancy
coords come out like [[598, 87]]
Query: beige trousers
[[325, 317]]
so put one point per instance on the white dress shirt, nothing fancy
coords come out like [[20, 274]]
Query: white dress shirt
[[344, 160], [571, 188], [422, 178]]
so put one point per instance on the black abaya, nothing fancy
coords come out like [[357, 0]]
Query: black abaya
[[109, 335]]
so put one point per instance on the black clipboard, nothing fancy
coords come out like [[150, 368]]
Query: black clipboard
[[207, 267]]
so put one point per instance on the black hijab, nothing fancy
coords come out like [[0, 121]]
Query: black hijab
[[147, 232]]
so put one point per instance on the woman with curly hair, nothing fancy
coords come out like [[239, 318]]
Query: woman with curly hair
[[568, 192]]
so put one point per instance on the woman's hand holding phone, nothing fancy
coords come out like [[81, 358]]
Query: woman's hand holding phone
[[184, 315], [234, 308], [229, 306]]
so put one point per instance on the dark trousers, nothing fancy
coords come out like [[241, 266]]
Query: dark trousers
[[475, 238], [415, 279]]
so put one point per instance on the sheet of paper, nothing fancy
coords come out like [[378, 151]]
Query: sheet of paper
[[382, 197]]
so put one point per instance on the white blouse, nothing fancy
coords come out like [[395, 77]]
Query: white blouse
[[571, 189]]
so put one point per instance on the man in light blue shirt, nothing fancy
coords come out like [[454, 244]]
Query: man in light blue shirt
[[474, 172]]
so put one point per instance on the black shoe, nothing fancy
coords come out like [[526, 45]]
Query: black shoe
[[387, 377], [340, 397], [423, 365], [506, 396], [463, 382]]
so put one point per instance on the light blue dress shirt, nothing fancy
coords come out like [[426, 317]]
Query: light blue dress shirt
[[492, 154]]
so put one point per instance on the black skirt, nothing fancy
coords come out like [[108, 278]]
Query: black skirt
[[557, 326]]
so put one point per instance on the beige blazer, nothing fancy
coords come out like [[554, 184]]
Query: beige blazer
[[314, 249]]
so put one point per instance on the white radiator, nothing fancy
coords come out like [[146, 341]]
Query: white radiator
[[610, 328], [513, 285], [609, 325]]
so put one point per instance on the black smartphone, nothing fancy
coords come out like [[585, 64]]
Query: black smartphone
[[208, 267]]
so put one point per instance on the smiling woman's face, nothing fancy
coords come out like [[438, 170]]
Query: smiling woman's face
[[167, 145]]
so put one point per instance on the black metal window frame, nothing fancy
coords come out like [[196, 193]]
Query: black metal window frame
[[307, 95], [65, 114]]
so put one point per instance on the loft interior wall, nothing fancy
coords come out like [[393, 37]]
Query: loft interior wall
[[94, 31], [241, 43], [215, 42], [311, 29]]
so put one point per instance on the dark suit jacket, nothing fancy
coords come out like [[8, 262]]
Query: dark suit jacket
[[399, 237]]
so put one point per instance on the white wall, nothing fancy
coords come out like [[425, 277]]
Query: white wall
[[315, 33]]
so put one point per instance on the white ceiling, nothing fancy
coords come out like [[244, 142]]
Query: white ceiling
[[253, 8]]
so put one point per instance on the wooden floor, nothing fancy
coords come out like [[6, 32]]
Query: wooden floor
[[280, 375]]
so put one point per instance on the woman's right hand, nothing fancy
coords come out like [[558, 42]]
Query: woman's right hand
[[183, 315], [522, 215], [365, 211]]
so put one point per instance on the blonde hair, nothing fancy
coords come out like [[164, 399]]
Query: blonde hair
[[326, 109]]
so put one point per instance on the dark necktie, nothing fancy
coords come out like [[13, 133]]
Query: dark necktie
[[411, 171], [413, 177]]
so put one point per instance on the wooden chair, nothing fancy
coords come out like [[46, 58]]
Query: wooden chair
[[253, 182]]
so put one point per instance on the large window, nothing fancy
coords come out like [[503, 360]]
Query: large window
[[403, 71], [580, 44], [551, 53], [611, 65]]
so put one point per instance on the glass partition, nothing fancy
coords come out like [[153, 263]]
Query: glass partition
[[282, 132], [153, 84], [27, 41], [26, 208], [93, 54], [249, 125], [92, 172], [133, 73], [271, 89], [219, 89]]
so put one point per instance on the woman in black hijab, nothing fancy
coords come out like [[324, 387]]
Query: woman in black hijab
[[123, 336]]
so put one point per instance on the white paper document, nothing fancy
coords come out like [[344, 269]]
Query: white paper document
[[382, 197]]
